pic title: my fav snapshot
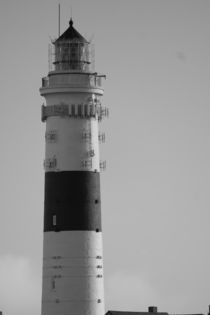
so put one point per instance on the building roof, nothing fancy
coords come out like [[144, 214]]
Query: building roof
[[134, 313], [71, 33], [142, 313]]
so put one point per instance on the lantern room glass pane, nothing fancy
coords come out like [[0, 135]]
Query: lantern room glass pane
[[70, 55]]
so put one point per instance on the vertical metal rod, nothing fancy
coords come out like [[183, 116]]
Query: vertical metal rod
[[59, 20]]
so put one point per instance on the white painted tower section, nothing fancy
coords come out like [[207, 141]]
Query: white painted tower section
[[73, 273]]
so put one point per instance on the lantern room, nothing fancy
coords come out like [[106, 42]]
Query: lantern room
[[70, 52]]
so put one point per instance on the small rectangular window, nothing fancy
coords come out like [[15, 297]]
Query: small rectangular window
[[54, 220], [51, 136], [50, 163]]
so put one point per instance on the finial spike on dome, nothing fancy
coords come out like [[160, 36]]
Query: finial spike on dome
[[71, 22]]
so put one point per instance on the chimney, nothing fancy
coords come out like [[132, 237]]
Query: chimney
[[153, 309]]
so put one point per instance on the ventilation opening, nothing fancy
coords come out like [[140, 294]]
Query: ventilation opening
[[96, 201], [97, 230]]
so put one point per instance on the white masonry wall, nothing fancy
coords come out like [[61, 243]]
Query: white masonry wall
[[72, 143], [72, 273]]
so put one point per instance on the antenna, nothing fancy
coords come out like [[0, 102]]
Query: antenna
[[71, 11], [59, 20]]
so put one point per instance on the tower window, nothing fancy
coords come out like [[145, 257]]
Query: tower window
[[54, 220], [51, 136]]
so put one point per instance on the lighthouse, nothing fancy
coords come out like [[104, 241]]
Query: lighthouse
[[72, 281]]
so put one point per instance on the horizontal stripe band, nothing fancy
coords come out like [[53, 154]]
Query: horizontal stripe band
[[72, 201]]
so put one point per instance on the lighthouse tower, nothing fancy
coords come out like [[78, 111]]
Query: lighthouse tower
[[72, 254]]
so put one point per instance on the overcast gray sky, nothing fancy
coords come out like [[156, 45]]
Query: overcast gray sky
[[155, 192]]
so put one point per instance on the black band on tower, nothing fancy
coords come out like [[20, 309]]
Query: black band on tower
[[72, 201]]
